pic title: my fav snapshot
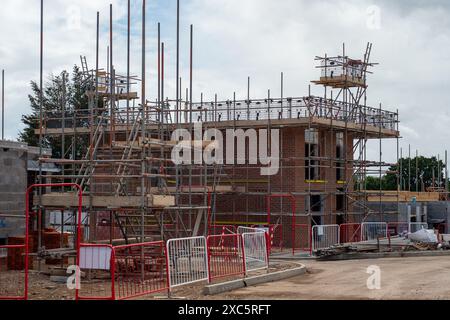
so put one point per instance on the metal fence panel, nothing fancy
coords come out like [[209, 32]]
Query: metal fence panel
[[225, 256], [350, 232], [187, 261], [324, 236], [398, 228], [255, 251], [374, 230], [301, 238], [96, 262], [12, 273], [140, 269]]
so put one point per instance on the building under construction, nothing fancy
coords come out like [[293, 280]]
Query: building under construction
[[153, 193], [133, 190]]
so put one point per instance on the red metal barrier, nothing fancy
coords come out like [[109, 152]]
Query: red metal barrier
[[276, 237], [293, 208], [12, 272], [122, 272], [225, 256], [443, 228], [26, 247], [96, 262], [302, 238], [140, 269], [350, 232]]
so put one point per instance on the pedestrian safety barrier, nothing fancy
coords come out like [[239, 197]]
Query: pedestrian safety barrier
[[276, 240], [140, 269], [187, 261], [255, 251], [302, 238], [350, 232], [12, 272], [225, 256], [95, 262], [373, 230], [324, 236], [398, 228]]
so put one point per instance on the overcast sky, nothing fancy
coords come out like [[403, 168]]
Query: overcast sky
[[258, 38]]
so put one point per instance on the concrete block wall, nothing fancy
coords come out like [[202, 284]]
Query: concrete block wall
[[13, 183]]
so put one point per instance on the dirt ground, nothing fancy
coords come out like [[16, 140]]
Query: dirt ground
[[42, 288], [401, 278]]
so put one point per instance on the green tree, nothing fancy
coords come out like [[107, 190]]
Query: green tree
[[54, 93], [430, 172]]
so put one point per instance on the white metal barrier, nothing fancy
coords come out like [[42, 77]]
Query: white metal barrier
[[416, 226], [187, 261], [373, 230], [255, 251], [324, 236]]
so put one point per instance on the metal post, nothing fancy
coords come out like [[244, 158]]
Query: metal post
[[3, 104], [446, 174], [41, 106], [128, 66], [111, 70], [409, 168], [417, 170], [190, 121], [178, 60], [143, 103], [248, 98], [282, 93], [159, 65]]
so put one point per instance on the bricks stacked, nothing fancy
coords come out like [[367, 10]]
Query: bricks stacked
[[16, 258], [51, 239]]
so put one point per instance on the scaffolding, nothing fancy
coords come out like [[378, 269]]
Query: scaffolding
[[134, 192]]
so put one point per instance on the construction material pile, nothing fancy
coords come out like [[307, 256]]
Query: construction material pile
[[422, 240]]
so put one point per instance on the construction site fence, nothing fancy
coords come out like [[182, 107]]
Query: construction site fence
[[13, 275], [140, 269], [95, 262], [350, 232], [373, 230], [324, 236], [443, 228], [302, 238], [402, 228], [256, 253], [187, 261], [226, 256], [135, 270], [275, 238]]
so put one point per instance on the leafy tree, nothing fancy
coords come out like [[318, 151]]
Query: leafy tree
[[429, 171], [53, 97]]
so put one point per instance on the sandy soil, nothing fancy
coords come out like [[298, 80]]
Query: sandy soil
[[405, 278]]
